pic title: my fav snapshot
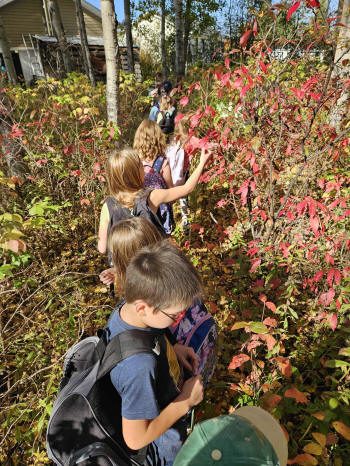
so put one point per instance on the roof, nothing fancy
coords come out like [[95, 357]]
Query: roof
[[71, 40], [86, 5], [75, 40]]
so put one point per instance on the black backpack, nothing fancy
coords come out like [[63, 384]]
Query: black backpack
[[117, 212], [85, 423]]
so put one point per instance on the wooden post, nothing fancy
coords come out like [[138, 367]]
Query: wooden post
[[109, 41], [6, 53], [84, 42], [179, 39], [57, 26]]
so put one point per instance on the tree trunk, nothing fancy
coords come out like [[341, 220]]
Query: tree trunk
[[342, 63], [179, 39], [162, 41], [109, 40], [6, 53], [58, 29], [84, 42], [187, 28], [128, 36]]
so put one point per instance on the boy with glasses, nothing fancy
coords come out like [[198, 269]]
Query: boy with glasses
[[160, 283]]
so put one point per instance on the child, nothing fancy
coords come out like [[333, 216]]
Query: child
[[179, 163], [150, 143], [196, 328], [166, 115], [125, 177], [159, 283], [153, 114]]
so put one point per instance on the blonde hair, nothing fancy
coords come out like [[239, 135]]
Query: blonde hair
[[149, 141], [181, 131], [125, 176], [166, 103], [126, 238]]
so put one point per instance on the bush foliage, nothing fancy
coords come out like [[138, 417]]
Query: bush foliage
[[269, 234]]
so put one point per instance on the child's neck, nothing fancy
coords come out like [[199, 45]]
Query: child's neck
[[129, 315]]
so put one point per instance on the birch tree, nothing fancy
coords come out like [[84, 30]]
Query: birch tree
[[6, 53], [84, 42], [110, 46]]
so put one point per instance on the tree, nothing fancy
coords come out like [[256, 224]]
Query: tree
[[341, 61], [6, 53], [162, 41], [84, 42], [128, 36], [110, 46], [179, 39], [57, 26]]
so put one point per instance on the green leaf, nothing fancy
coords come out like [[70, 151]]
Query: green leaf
[[337, 363], [258, 327], [239, 325]]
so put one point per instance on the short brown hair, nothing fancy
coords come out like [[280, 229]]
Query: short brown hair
[[162, 276], [149, 140], [126, 238], [125, 178]]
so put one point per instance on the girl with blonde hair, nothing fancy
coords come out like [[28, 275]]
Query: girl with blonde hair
[[127, 196]]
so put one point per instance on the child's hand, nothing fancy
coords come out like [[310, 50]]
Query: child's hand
[[107, 276], [206, 154], [192, 391], [187, 357]]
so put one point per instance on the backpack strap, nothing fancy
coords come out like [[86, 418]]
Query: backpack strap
[[158, 164], [127, 344]]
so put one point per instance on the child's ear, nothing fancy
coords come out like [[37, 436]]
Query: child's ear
[[141, 307]]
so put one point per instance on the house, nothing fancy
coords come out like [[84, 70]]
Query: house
[[32, 42]]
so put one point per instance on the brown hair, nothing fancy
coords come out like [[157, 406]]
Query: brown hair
[[126, 238], [149, 141], [125, 177], [162, 276]]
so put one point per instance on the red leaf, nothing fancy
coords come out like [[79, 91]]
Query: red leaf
[[326, 298], [333, 321], [255, 27], [329, 259], [184, 101], [245, 37], [263, 298], [179, 117], [313, 3], [314, 223], [270, 306], [263, 67], [292, 10], [284, 366], [297, 395], [227, 62], [238, 360], [255, 264], [270, 322]]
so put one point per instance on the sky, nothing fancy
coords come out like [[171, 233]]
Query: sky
[[119, 7]]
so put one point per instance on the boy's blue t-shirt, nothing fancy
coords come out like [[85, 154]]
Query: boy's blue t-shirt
[[146, 387]]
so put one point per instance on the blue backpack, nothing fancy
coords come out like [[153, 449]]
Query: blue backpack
[[154, 180]]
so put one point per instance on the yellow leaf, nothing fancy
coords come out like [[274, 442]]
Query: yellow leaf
[[342, 429], [320, 438], [319, 415], [313, 449]]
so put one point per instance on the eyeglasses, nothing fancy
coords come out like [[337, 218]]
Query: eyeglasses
[[174, 317]]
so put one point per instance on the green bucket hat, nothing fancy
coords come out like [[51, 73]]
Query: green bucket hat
[[249, 437]]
